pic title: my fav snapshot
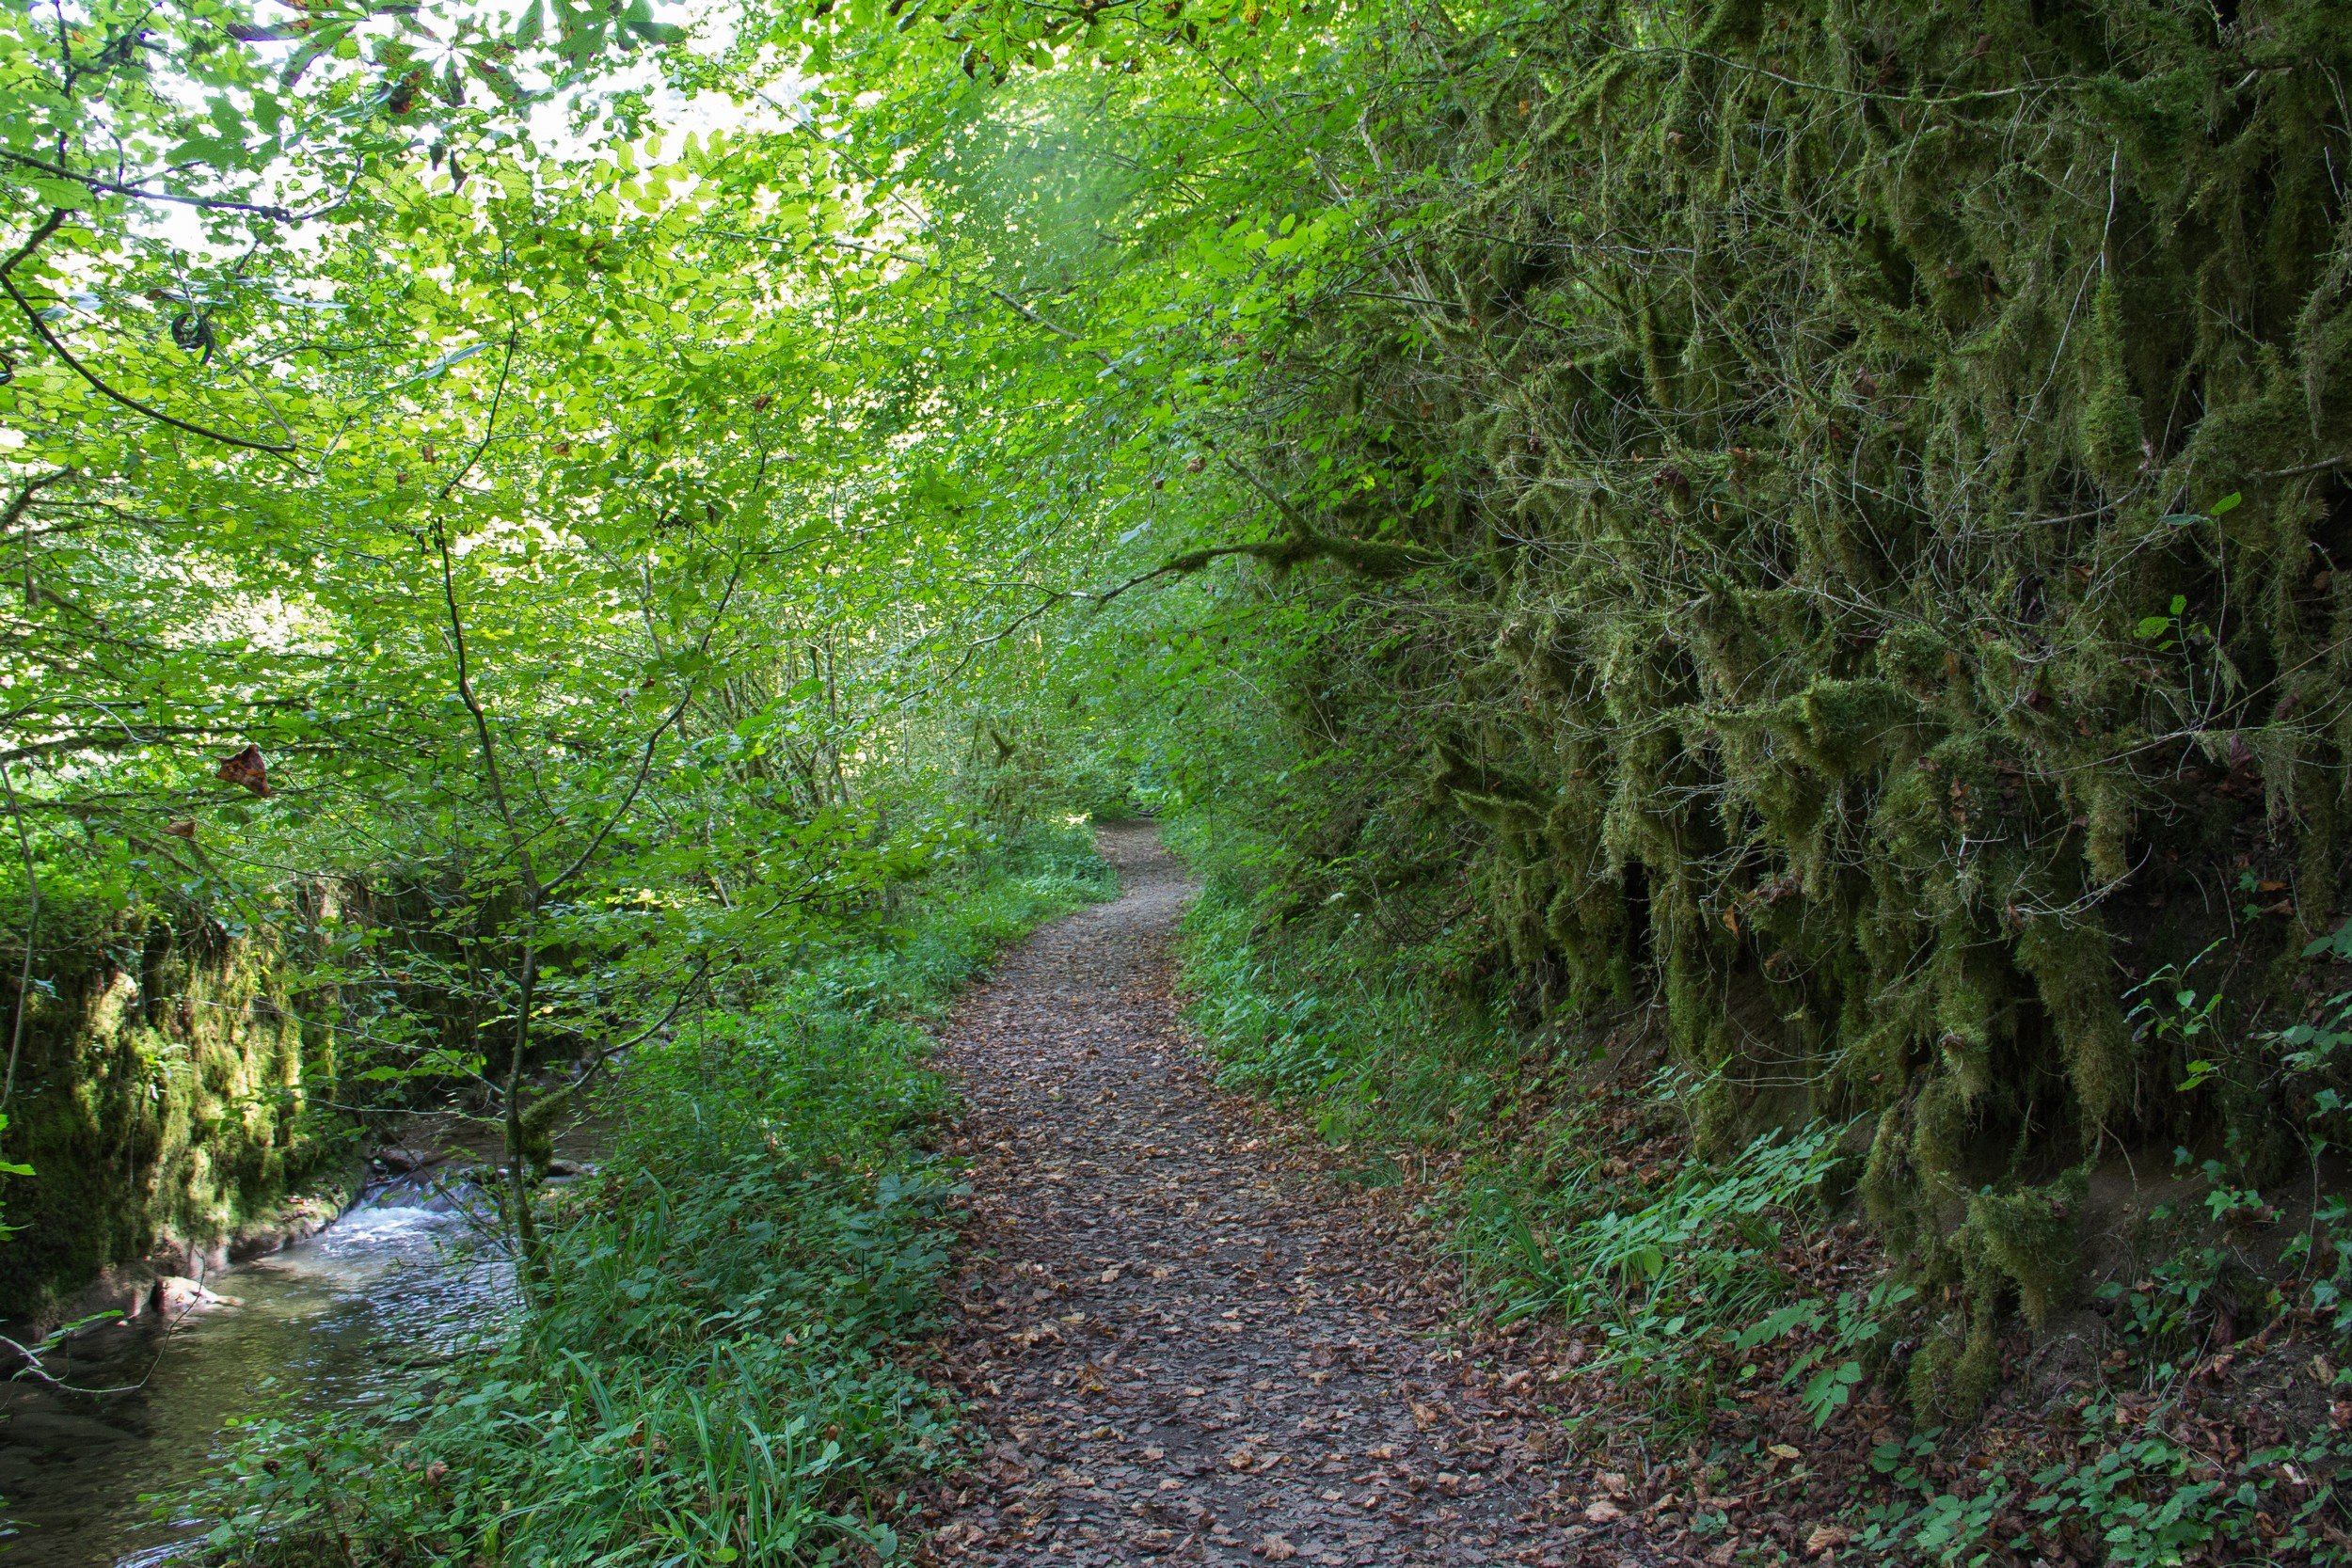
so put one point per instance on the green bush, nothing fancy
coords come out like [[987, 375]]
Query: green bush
[[716, 1370]]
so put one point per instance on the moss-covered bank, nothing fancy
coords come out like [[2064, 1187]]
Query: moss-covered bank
[[170, 1099]]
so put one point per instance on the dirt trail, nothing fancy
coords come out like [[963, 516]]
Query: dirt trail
[[1186, 1344]]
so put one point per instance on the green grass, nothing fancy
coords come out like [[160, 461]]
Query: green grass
[[722, 1370], [1354, 1033]]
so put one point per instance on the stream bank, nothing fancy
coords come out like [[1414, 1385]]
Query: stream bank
[[329, 1324]]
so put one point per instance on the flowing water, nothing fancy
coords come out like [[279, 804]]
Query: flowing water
[[325, 1325]]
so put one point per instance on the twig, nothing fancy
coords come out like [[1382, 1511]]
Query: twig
[[2323, 466], [34, 1368], [49, 226]]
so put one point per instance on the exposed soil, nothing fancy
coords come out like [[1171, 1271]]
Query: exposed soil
[[1188, 1341]]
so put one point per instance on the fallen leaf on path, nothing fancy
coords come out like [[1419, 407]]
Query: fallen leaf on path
[[1275, 1549], [1602, 1513]]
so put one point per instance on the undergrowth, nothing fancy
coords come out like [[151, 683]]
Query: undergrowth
[[1729, 1329], [720, 1369], [1352, 1031]]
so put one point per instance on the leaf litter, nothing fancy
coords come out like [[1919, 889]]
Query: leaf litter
[[1184, 1341]]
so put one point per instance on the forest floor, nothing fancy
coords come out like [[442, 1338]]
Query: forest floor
[[1188, 1340]]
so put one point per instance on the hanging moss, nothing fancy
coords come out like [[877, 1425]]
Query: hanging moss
[[2109, 421], [1924, 511]]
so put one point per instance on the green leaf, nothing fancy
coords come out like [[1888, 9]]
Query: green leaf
[[63, 194], [2225, 504], [1773, 1326]]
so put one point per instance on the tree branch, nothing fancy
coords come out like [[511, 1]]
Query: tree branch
[[207, 203], [49, 226]]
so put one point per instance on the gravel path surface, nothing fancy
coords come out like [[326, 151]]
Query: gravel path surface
[[1188, 1343]]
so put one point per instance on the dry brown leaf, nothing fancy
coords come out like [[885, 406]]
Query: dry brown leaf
[[247, 769]]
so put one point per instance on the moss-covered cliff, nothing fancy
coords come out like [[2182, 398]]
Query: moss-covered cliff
[[1864, 501], [169, 1102]]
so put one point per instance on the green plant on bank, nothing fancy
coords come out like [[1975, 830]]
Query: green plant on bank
[[2133, 1473], [9, 1167], [1354, 1033], [719, 1368], [1673, 1273], [1844, 1343], [2127, 1488], [1676, 1269]]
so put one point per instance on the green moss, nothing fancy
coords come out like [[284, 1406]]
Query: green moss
[[2029, 1236], [1878, 681], [170, 1104], [2109, 426]]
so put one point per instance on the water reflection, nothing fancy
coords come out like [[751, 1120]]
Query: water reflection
[[323, 1325]]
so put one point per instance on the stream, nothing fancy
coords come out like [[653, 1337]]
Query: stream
[[325, 1325]]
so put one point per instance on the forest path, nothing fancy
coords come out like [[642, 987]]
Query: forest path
[[1186, 1341]]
